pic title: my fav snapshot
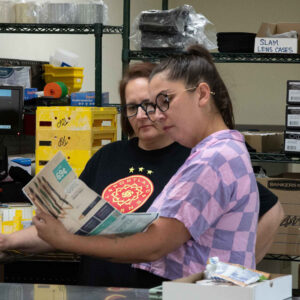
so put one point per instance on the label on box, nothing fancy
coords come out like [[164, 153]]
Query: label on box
[[275, 45], [293, 116], [87, 98], [292, 141], [293, 92]]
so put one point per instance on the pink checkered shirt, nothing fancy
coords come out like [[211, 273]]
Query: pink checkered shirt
[[214, 194]]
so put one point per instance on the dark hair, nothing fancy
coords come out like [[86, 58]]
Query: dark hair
[[194, 66], [137, 70]]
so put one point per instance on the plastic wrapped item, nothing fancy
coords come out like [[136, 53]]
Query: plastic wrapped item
[[58, 13], [160, 41], [90, 12], [172, 29], [27, 11], [7, 12], [290, 34], [233, 273], [166, 21], [64, 58]]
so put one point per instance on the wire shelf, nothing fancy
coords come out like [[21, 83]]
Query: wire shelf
[[273, 158], [221, 57], [58, 28]]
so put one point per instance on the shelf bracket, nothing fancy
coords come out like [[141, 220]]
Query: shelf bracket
[[98, 63]]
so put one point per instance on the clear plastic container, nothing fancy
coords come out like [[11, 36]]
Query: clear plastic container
[[64, 58]]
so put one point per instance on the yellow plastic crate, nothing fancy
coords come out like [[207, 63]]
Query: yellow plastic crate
[[72, 77], [76, 158], [63, 71], [10, 223], [76, 118], [75, 139]]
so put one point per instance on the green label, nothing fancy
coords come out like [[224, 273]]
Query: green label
[[62, 170]]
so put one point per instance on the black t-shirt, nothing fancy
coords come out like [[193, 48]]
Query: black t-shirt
[[130, 178]]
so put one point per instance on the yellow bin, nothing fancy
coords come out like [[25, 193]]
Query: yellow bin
[[72, 77]]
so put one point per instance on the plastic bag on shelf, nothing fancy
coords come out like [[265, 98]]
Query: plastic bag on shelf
[[27, 11], [91, 11], [167, 21], [160, 41], [7, 12], [58, 12], [172, 29]]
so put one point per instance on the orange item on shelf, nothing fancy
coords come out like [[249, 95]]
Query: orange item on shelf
[[55, 89]]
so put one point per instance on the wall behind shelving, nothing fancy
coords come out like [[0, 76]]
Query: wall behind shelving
[[258, 90]]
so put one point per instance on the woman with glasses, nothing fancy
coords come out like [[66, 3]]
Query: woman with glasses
[[149, 153], [210, 206]]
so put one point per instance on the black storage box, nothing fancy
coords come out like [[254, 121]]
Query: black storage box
[[292, 143], [293, 92], [168, 21], [292, 117], [239, 42]]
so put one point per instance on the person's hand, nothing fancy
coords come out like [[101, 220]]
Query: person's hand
[[50, 230]]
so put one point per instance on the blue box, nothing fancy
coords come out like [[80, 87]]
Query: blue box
[[87, 99], [30, 93]]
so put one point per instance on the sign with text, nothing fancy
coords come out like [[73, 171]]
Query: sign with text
[[275, 45]]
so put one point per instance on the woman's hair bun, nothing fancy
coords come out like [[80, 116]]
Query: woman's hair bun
[[200, 51]]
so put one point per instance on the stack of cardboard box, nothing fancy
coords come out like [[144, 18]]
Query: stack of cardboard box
[[292, 120]]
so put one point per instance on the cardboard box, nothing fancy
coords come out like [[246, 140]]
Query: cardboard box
[[279, 287], [87, 99], [292, 142], [293, 92], [264, 141], [292, 117], [265, 44], [287, 189]]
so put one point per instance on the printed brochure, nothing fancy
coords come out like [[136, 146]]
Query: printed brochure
[[60, 193]]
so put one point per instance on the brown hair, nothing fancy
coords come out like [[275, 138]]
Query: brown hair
[[194, 66], [137, 70]]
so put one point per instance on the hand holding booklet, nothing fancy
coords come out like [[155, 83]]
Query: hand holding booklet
[[58, 192]]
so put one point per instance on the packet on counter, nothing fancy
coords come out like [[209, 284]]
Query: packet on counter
[[236, 274]]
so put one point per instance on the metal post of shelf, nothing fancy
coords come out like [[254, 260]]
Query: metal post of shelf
[[98, 63], [164, 4], [125, 36]]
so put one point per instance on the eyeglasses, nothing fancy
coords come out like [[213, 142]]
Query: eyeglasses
[[163, 100], [131, 110]]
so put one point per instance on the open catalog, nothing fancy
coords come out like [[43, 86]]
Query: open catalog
[[58, 191]]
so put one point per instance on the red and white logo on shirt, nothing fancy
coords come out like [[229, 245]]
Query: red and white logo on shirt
[[129, 193]]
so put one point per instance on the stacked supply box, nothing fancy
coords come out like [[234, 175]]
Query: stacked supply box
[[76, 131], [15, 216], [292, 120]]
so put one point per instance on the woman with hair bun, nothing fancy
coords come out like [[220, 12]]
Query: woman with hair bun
[[209, 207]]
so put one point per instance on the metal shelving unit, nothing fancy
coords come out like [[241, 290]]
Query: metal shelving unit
[[221, 57], [128, 55], [273, 158], [283, 257], [97, 29]]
